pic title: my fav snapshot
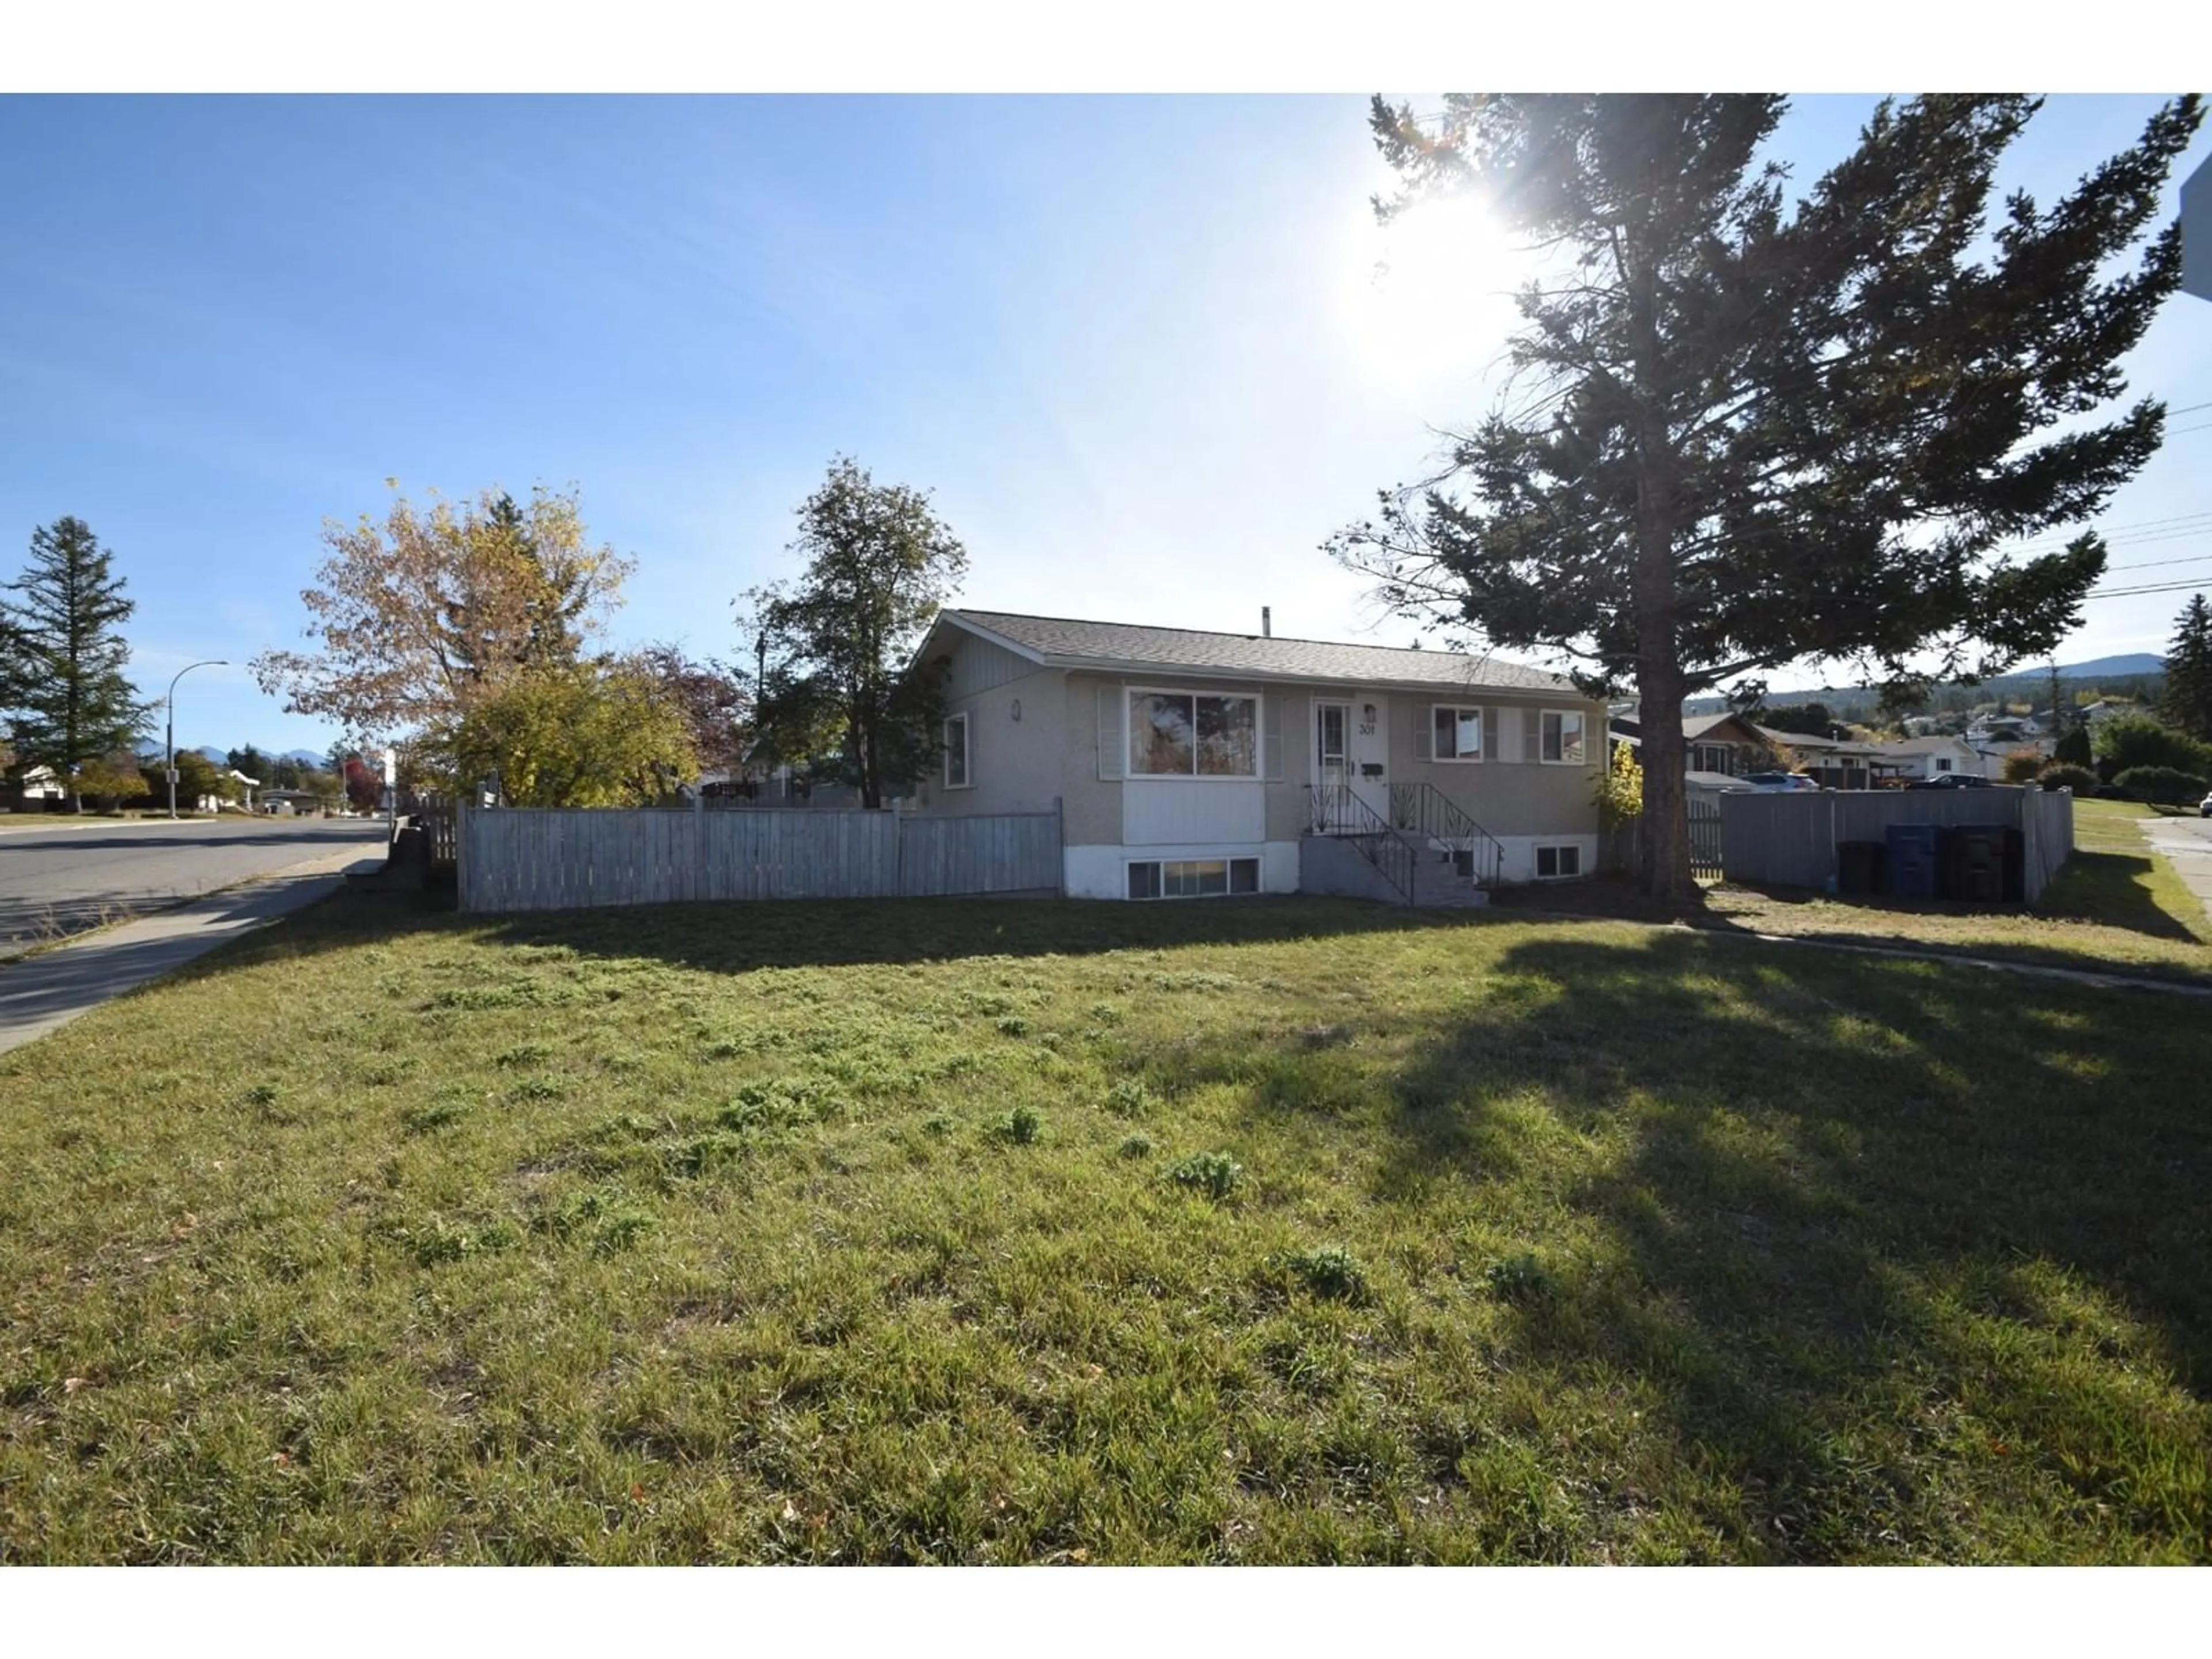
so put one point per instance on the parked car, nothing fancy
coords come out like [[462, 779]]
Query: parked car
[[2204, 807], [1950, 780], [1779, 783]]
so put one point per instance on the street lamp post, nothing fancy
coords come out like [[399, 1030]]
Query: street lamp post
[[171, 740]]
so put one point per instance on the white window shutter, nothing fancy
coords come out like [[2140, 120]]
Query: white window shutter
[[1499, 738], [1109, 733], [1424, 736], [1270, 737], [1532, 734]]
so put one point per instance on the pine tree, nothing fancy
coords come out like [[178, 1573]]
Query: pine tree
[[2188, 700], [1751, 433], [75, 702]]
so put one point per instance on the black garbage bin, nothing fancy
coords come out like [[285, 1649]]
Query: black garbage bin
[[1858, 867], [1973, 863]]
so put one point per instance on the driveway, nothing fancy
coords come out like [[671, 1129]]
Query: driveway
[[2187, 844], [60, 877]]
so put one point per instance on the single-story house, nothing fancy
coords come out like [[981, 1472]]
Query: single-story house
[[1184, 762], [1725, 744], [1927, 757]]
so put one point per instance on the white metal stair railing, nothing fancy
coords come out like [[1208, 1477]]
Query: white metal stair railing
[[1334, 810]]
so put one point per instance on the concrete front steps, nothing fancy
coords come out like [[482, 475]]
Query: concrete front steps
[[1339, 865]]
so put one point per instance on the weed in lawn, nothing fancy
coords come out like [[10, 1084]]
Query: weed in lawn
[[525, 1054], [1021, 1126], [432, 1115], [1331, 1271], [1135, 1146], [1127, 1096], [1214, 1174], [1520, 1279], [1013, 1025]]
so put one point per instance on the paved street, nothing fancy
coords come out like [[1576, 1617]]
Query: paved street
[[61, 877], [2187, 844]]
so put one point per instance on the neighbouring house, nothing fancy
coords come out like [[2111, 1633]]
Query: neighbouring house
[[31, 792], [1184, 764], [290, 803], [1928, 758], [1725, 744]]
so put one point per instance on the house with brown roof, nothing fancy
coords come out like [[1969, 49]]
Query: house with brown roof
[[1185, 763]]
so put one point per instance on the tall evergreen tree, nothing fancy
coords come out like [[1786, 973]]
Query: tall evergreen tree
[[2188, 700], [75, 703], [1777, 432]]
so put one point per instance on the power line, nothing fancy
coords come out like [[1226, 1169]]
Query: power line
[[2151, 564], [2159, 587]]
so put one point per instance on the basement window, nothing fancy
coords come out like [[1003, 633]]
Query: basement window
[[1554, 863], [1152, 879]]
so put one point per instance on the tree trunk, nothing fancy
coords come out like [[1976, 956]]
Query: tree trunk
[[1663, 872]]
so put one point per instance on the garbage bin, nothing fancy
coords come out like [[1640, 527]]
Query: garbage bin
[[1909, 863], [1972, 868], [1858, 867]]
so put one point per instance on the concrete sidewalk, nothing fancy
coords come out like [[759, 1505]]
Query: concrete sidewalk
[[43, 993]]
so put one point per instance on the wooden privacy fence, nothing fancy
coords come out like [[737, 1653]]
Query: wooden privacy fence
[[538, 858], [1790, 839]]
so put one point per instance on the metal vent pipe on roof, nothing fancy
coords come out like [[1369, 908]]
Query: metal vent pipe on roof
[[1266, 622]]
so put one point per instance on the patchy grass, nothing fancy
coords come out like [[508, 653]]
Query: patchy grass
[[2117, 908], [710, 1233]]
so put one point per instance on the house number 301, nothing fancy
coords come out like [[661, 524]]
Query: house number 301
[[1367, 728]]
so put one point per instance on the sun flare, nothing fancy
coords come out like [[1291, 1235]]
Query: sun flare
[[1434, 291]]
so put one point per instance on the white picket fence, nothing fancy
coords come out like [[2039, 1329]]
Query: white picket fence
[[539, 859]]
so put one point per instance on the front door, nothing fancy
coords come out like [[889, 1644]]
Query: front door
[[1352, 753]]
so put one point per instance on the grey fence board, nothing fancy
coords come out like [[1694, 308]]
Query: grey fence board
[[1790, 839], [535, 858]]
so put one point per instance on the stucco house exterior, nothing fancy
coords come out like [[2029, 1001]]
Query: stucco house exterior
[[1185, 763]]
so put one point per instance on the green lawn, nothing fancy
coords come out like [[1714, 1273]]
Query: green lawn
[[1255, 1230], [2117, 908]]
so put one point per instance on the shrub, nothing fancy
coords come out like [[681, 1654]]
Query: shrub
[[2022, 765], [2166, 785], [1021, 1126], [1137, 1146], [2080, 779], [1212, 1173], [2134, 741], [2073, 747]]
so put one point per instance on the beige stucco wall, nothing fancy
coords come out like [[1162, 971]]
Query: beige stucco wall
[[1020, 766], [1517, 797]]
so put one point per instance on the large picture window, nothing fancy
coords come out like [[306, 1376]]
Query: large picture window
[[1458, 732], [1188, 734], [1562, 737]]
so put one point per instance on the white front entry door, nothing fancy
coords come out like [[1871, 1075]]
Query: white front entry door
[[1351, 750]]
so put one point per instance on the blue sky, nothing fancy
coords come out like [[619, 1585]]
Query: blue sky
[[1135, 345]]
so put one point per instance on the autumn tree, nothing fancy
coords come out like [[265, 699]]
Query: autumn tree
[[2187, 701], [578, 734], [73, 701], [838, 694], [711, 699], [1758, 431], [115, 777], [420, 617]]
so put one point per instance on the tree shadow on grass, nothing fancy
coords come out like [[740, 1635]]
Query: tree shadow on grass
[[746, 937], [1848, 1216]]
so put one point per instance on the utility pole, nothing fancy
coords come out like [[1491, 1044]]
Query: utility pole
[[170, 740]]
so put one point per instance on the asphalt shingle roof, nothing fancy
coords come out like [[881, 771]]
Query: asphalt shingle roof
[[1065, 642]]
